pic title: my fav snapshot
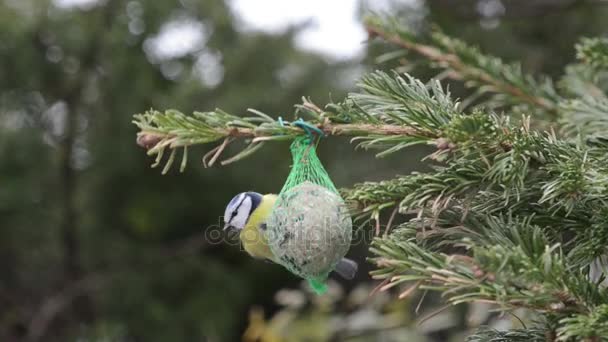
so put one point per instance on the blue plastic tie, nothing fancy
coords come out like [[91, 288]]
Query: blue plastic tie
[[308, 128]]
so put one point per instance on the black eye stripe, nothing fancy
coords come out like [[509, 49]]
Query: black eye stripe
[[236, 210]]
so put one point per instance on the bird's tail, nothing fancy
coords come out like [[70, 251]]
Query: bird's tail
[[346, 268]]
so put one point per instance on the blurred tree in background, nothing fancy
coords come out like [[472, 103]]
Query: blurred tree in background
[[94, 244], [90, 237]]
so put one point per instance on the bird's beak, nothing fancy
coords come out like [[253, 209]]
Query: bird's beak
[[231, 231]]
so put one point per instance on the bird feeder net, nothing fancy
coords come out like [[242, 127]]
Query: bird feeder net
[[310, 228]]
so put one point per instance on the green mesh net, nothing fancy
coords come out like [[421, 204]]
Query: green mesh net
[[310, 228], [307, 167]]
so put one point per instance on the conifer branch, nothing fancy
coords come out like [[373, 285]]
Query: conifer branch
[[172, 130], [589, 326], [488, 74], [586, 115], [513, 265], [593, 51], [582, 80], [464, 242], [486, 334], [390, 113]]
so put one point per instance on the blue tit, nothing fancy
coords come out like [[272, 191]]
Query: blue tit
[[248, 212]]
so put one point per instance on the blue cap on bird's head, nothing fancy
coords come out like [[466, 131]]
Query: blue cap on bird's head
[[240, 208]]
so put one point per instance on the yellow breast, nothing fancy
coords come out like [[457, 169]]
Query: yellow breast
[[253, 236]]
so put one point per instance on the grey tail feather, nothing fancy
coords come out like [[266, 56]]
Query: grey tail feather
[[346, 268]]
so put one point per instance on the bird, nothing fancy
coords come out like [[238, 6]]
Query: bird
[[248, 213]]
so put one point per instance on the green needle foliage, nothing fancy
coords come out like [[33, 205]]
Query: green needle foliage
[[505, 83], [515, 211], [515, 335], [593, 51]]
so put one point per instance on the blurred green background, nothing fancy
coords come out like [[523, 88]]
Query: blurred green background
[[97, 246]]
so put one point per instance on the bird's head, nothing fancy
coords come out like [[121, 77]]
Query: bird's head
[[240, 208]]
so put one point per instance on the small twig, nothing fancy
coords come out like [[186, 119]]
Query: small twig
[[216, 152], [433, 314], [309, 105], [148, 141], [519, 319], [379, 286], [390, 220], [410, 290], [251, 148], [209, 154], [420, 301]]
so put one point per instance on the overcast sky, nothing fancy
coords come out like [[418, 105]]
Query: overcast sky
[[334, 30]]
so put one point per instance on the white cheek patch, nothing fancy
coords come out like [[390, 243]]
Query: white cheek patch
[[242, 210], [232, 207], [239, 221]]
